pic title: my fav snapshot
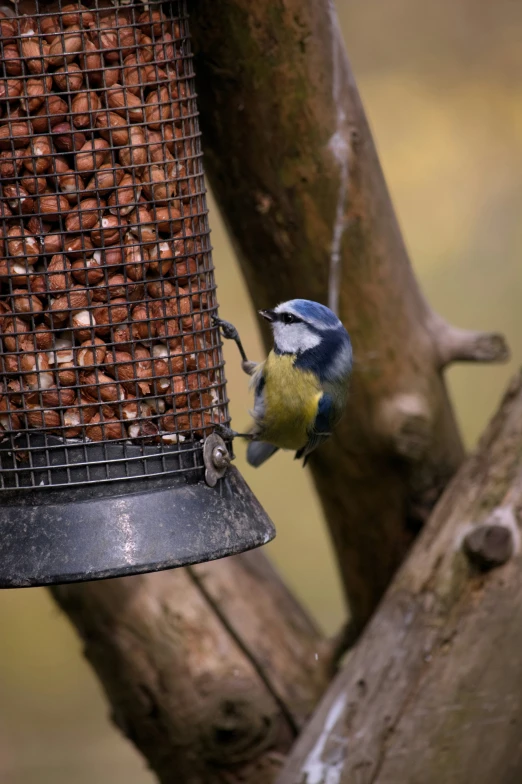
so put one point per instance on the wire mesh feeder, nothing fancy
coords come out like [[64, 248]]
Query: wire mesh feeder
[[112, 371]]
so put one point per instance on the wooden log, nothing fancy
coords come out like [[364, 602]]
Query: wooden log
[[431, 693], [294, 168], [210, 671]]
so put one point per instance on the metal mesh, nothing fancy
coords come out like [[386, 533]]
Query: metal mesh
[[106, 276]]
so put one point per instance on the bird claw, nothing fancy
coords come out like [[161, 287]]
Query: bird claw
[[224, 431], [228, 330], [227, 432]]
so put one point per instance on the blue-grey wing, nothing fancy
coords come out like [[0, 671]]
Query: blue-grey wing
[[258, 384], [259, 451], [321, 428]]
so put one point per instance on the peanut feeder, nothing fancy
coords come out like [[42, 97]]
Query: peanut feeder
[[111, 378]]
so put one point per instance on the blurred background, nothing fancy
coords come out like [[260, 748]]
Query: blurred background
[[442, 89]]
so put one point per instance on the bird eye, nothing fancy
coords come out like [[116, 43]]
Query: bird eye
[[288, 318]]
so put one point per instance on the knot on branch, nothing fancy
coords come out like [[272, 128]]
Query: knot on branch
[[463, 345], [237, 723], [406, 420], [494, 542]]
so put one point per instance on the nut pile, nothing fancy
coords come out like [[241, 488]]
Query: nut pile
[[106, 287]]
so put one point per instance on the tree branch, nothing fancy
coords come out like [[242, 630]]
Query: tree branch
[[463, 345], [208, 670], [428, 693], [294, 168]]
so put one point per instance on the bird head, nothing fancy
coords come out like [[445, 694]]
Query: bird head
[[300, 325]]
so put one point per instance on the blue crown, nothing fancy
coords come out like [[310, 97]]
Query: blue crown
[[313, 311]]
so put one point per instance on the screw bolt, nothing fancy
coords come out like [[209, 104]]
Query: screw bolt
[[220, 457]]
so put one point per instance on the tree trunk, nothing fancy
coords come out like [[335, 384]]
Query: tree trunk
[[291, 160], [211, 670], [431, 692]]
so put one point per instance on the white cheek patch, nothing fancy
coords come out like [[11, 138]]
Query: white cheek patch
[[293, 338]]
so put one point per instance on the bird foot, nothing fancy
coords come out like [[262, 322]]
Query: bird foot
[[228, 330], [227, 432]]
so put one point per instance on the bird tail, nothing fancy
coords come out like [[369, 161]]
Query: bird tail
[[259, 451]]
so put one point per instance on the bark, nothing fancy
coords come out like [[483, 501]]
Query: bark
[[431, 691], [210, 671], [290, 157]]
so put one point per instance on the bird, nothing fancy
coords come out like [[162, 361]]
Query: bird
[[301, 389]]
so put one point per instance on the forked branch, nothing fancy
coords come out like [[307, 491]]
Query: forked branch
[[293, 165]]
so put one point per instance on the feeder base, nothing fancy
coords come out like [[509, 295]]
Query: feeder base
[[95, 532]]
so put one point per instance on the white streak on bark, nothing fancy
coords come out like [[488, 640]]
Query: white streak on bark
[[340, 148], [315, 769]]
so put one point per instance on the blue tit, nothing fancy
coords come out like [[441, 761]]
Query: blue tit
[[300, 391]]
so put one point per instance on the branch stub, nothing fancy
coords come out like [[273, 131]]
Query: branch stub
[[489, 545]]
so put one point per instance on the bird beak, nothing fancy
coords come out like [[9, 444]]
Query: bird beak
[[267, 314]]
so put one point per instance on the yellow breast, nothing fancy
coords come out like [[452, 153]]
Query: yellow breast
[[291, 399]]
